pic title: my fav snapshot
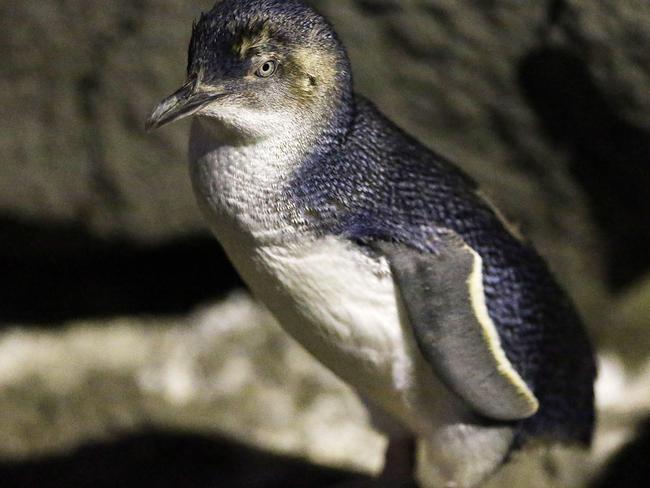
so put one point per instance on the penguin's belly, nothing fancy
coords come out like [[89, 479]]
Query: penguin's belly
[[341, 305]]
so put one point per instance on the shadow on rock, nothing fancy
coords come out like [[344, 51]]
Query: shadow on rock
[[171, 460], [609, 155], [629, 467], [57, 272]]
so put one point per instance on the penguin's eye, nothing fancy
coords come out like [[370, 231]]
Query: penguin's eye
[[267, 68]]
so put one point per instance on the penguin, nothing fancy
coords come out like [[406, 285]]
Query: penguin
[[378, 255]]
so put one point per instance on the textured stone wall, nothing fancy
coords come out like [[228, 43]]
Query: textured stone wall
[[546, 104]]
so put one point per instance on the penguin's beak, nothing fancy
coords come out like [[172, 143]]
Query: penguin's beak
[[187, 100]]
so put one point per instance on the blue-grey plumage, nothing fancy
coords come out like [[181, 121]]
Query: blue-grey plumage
[[378, 255]]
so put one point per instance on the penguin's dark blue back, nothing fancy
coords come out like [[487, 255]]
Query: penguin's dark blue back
[[372, 182]]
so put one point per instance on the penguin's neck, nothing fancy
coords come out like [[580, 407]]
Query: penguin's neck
[[240, 181], [242, 162]]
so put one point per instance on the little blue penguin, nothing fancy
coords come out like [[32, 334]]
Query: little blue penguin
[[379, 256]]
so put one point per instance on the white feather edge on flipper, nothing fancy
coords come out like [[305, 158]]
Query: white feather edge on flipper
[[526, 402], [444, 299]]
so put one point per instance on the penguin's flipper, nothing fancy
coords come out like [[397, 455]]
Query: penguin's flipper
[[442, 294]]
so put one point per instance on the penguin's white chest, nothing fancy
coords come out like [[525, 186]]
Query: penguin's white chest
[[339, 304]]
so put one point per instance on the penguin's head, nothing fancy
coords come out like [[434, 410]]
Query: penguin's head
[[254, 65]]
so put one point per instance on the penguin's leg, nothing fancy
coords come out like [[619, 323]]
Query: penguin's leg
[[400, 454], [399, 459]]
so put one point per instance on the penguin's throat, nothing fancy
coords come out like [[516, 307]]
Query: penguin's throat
[[243, 182]]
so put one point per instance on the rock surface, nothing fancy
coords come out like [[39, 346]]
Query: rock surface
[[229, 370], [465, 78]]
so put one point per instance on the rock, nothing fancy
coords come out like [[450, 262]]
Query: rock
[[79, 81], [226, 369], [627, 336]]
